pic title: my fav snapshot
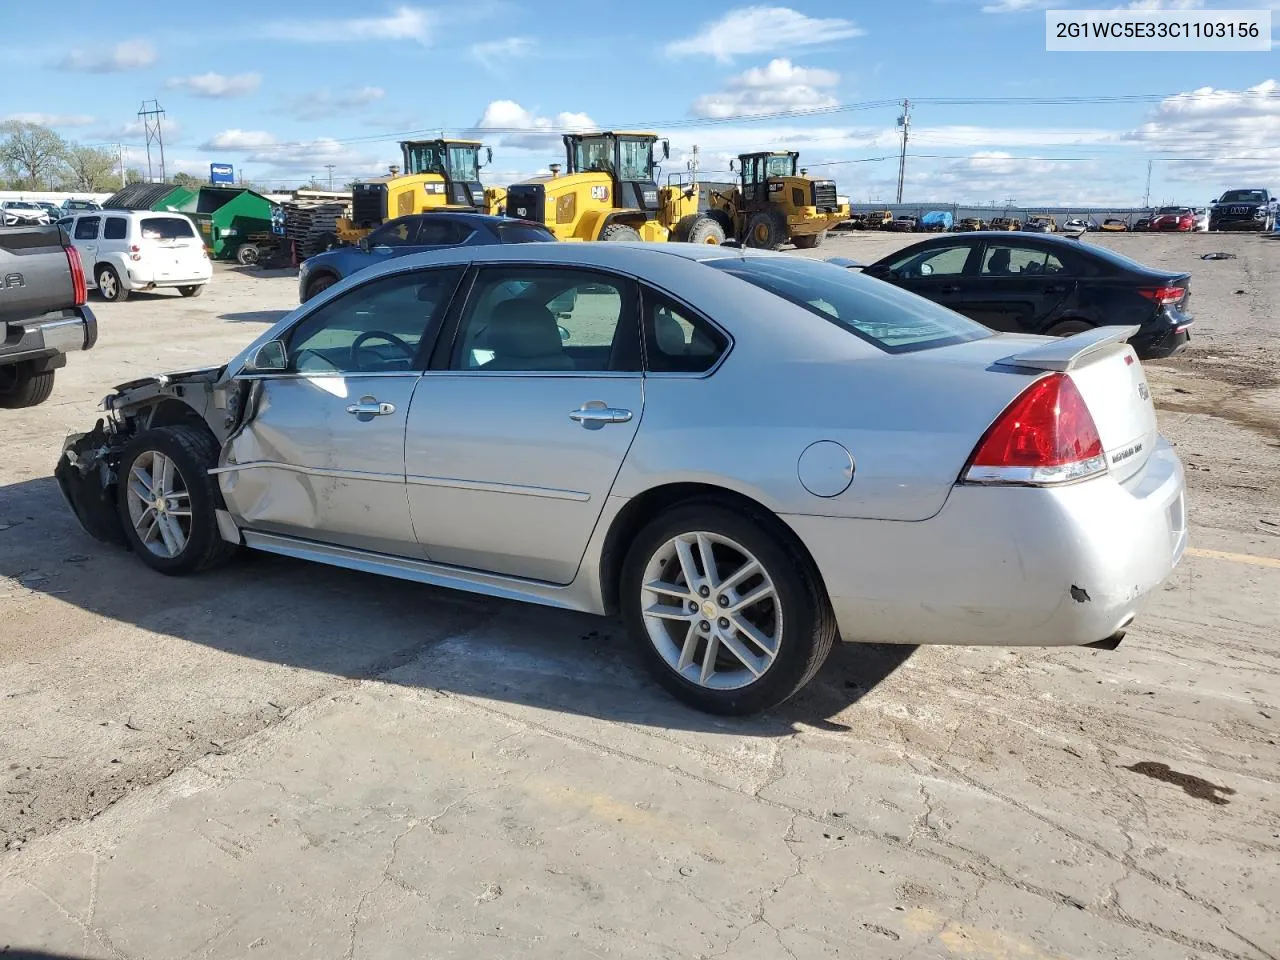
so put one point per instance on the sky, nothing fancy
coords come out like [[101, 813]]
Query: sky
[[284, 90]]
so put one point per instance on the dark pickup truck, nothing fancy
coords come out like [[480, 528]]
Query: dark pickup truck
[[43, 315]]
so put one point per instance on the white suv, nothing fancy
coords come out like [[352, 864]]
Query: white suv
[[127, 250]]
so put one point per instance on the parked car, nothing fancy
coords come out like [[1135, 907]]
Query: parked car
[[1251, 209], [1202, 219], [1040, 224], [1114, 225], [1042, 284], [727, 524], [971, 223], [1006, 223], [1141, 225], [126, 251], [43, 316], [72, 207], [936, 221], [1182, 219], [418, 233], [1076, 225], [903, 224], [879, 219], [22, 213], [52, 210]]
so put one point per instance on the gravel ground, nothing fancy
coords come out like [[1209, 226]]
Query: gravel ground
[[939, 802]]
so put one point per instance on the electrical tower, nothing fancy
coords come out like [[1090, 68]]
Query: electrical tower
[[904, 121], [1146, 197], [329, 167], [152, 116]]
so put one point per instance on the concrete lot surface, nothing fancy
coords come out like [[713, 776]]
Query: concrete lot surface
[[284, 760]]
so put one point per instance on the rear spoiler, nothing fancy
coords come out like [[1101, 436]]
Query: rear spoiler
[[1067, 352]]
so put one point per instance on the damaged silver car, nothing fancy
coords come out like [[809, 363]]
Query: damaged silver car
[[747, 454]]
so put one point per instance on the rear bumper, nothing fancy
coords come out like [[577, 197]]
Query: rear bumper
[[1007, 566], [137, 278], [53, 334], [1167, 341]]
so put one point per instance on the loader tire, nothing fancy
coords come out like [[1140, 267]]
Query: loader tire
[[766, 230], [809, 241], [619, 231]]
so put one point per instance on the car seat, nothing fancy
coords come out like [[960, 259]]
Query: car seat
[[524, 335]]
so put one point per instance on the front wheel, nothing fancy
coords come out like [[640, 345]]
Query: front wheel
[[619, 231], [727, 617], [192, 291], [168, 500]]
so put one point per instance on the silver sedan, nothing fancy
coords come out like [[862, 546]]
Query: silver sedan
[[748, 455]]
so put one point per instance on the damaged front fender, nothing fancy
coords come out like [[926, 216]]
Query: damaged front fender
[[86, 474]]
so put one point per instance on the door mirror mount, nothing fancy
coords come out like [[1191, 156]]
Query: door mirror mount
[[564, 332], [271, 357], [363, 244]]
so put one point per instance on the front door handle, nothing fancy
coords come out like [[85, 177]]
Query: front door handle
[[597, 413], [370, 407], [950, 288], [1054, 288]]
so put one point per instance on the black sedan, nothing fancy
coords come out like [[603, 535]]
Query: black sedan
[[1045, 284]]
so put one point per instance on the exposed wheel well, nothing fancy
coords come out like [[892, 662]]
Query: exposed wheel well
[[648, 505], [170, 412]]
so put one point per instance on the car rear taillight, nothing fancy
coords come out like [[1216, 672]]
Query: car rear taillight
[[1046, 436], [1163, 295], [78, 288]]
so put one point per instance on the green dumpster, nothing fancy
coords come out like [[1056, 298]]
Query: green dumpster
[[227, 217]]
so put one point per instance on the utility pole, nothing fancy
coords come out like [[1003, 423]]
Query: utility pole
[[329, 167], [123, 179], [1146, 197], [904, 121], [152, 118]]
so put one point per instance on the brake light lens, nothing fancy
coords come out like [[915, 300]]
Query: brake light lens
[[1163, 295], [78, 288], [1046, 436]]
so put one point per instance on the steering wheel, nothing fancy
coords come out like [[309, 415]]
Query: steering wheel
[[391, 338]]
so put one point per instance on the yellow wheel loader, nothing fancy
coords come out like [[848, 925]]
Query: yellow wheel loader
[[437, 175], [773, 204], [609, 191]]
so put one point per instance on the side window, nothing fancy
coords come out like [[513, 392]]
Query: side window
[[398, 233], [547, 319], [678, 340], [87, 228], [375, 328], [440, 232], [117, 228], [936, 262], [1009, 260]]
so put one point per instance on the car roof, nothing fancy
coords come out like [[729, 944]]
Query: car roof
[[465, 216]]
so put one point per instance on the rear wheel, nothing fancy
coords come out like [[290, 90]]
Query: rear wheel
[[109, 285], [619, 231], [192, 291], [20, 386], [248, 254], [168, 499], [1068, 328], [728, 618], [320, 284], [699, 228], [809, 241], [766, 230]]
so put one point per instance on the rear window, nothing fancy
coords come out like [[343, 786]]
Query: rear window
[[1117, 259], [517, 232], [890, 318], [166, 228]]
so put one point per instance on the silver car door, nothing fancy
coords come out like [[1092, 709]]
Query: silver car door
[[514, 444], [321, 454]]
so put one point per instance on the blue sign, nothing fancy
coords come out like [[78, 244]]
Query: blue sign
[[221, 173]]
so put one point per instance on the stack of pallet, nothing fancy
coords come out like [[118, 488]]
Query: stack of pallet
[[312, 224]]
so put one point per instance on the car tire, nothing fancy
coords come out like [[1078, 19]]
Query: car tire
[[20, 386], [766, 230], [1068, 328], [248, 254], [619, 231], [791, 613], [165, 540], [810, 241], [109, 286], [192, 291], [319, 284]]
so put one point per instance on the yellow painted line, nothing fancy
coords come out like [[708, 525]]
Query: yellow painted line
[[1234, 557]]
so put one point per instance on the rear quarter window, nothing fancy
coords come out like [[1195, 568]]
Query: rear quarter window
[[166, 228], [516, 232], [117, 228]]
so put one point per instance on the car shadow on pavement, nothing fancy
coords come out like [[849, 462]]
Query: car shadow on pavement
[[254, 316], [361, 626]]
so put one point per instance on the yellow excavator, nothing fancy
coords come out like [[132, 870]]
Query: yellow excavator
[[773, 204], [437, 175], [609, 191]]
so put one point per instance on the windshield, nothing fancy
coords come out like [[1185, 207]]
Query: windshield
[[423, 158], [780, 167], [463, 163], [1172, 210], [1244, 196], [890, 318], [22, 205], [593, 154]]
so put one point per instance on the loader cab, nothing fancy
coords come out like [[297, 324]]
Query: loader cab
[[456, 162], [627, 159], [758, 169]]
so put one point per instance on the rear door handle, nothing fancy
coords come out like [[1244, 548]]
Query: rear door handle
[[1054, 288], [950, 288], [370, 407], [596, 413]]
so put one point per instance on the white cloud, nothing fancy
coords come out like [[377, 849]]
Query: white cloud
[[135, 130], [239, 140], [492, 53], [217, 85], [52, 119], [749, 30], [511, 125], [324, 103], [126, 55], [402, 23], [999, 175], [770, 89]]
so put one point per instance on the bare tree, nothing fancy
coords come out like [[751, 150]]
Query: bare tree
[[33, 153], [90, 169]]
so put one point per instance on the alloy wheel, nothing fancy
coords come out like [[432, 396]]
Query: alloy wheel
[[711, 610], [159, 504], [107, 284]]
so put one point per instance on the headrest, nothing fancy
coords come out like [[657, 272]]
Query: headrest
[[523, 329]]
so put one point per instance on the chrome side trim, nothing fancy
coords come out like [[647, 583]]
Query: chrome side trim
[[310, 471], [421, 571], [549, 493]]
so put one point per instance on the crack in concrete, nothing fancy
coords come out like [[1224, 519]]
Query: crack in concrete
[[86, 928]]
